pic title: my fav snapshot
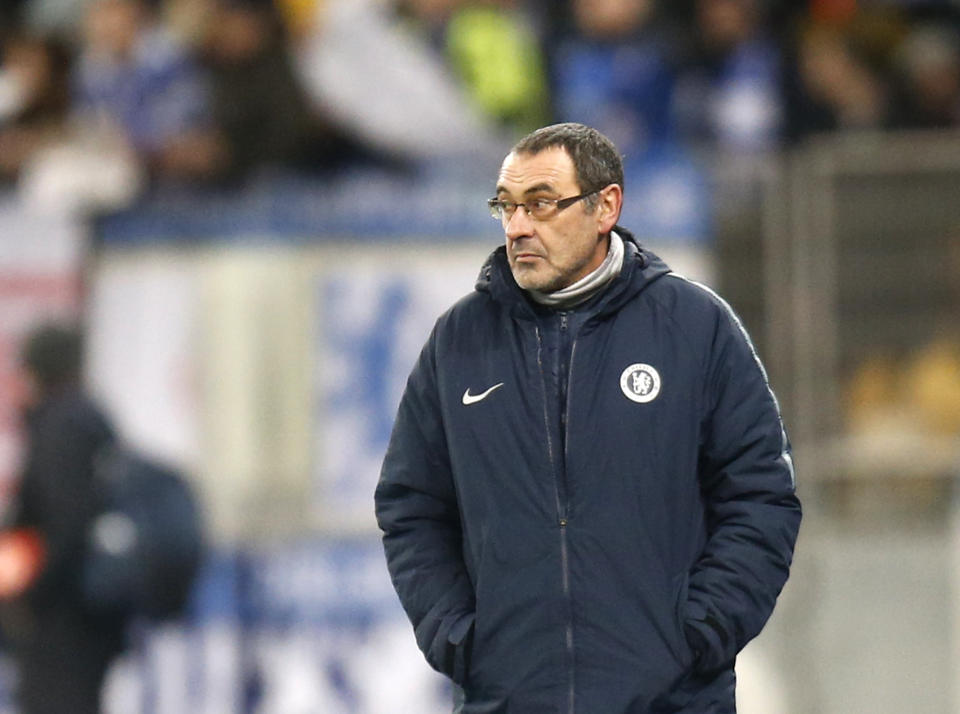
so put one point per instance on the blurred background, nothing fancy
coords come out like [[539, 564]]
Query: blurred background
[[257, 209]]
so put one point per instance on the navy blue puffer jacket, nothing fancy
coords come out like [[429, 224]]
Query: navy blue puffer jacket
[[589, 512]]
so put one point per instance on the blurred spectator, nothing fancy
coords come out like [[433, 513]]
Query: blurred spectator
[[135, 81], [260, 115], [928, 68], [497, 55], [836, 86], [613, 72], [34, 99], [386, 82], [62, 649], [137, 98], [494, 53], [729, 93]]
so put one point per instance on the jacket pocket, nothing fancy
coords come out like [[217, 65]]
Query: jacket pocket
[[682, 649], [444, 641], [458, 649]]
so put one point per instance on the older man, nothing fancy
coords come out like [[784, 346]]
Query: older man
[[588, 499]]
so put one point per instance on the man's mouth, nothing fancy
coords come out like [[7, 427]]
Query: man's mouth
[[525, 256]]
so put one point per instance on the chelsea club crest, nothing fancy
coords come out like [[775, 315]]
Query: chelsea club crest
[[640, 383]]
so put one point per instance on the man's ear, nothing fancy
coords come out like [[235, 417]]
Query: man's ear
[[610, 204]]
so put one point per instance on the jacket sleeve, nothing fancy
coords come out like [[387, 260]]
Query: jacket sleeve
[[417, 511], [752, 511]]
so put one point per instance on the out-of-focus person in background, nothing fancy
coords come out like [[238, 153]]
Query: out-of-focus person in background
[[835, 87], [729, 91], [61, 648], [137, 94], [260, 116], [376, 66], [927, 67], [587, 502], [133, 80], [34, 98], [613, 70], [497, 54]]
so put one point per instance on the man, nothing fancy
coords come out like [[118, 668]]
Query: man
[[588, 499], [61, 647]]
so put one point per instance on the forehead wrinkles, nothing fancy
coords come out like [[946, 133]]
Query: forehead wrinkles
[[522, 173]]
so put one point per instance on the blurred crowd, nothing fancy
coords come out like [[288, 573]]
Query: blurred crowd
[[101, 99]]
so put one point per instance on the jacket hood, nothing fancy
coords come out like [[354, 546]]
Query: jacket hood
[[640, 269]]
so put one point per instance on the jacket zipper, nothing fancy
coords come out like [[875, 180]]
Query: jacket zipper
[[563, 511], [564, 557], [562, 520], [563, 384], [546, 423]]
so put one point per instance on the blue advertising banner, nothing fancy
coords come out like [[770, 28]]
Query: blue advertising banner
[[374, 317]]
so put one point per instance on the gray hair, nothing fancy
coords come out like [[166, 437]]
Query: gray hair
[[596, 161]]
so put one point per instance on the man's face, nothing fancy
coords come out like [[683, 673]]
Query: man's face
[[547, 255]]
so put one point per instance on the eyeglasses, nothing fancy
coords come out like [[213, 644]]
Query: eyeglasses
[[539, 209]]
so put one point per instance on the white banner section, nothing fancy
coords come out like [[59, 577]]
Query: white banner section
[[272, 373]]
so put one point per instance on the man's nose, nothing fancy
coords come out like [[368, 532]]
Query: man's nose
[[520, 225]]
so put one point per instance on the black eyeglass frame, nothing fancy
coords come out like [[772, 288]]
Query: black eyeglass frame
[[498, 212]]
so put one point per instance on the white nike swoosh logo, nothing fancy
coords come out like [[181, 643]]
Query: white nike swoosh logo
[[474, 398]]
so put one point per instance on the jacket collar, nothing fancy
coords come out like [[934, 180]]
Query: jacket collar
[[640, 268]]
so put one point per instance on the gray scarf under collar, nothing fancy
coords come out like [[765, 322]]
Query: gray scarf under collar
[[589, 285]]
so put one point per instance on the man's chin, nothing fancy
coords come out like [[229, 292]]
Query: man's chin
[[529, 281]]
